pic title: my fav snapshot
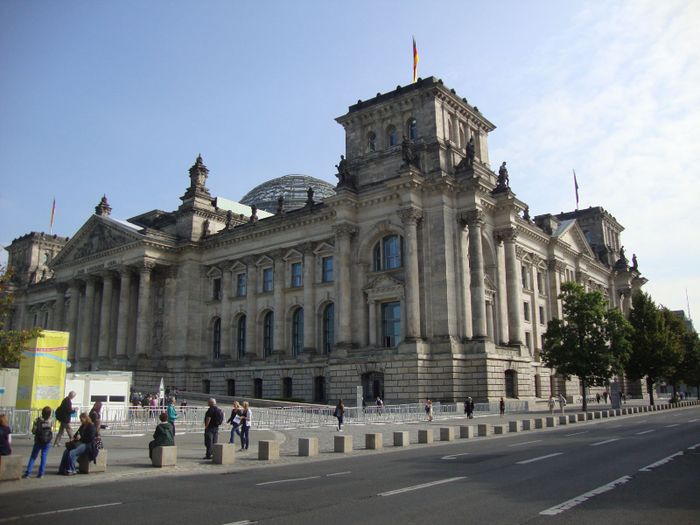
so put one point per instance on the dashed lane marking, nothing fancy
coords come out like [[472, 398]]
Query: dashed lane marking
[[645, 432], [339, 473], [604, 442], [59, 511], [525, 443], [421, 486], [663, 461], [671, 426], [286, 480], [577, 433], [569, 504], [693, 447], [454, 456], [540, 458]]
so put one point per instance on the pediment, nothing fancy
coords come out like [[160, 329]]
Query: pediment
[[324, 248], [574, 237], [383, 282], [97, 235]]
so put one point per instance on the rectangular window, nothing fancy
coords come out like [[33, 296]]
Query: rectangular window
[[526, 310], [267, 282], [216, 289], [541, 314], [523, 274], [240, 285], [540, 289], [527, 339], [327, 269], [296, 275], [391, 324]]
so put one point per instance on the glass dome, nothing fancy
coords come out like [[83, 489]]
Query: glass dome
[[292, 187]]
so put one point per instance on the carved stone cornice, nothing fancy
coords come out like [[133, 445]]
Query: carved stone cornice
[[506, 234], [472, 218], [410, 215], [146, 266], [520, 252], [344, 230], [557, 266]]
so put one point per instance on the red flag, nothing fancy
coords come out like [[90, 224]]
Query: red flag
[[415, 61], [53, 214], [576, 188]]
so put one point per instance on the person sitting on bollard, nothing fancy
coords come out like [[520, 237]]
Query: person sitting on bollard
[[41, 429], [163, 436], [235, 421], [83, 442], [5, 436], [339, 413]]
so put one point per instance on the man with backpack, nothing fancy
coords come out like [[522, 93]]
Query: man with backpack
[[63, 415], [213, 418], [42, 442]]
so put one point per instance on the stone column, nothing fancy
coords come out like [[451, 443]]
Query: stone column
[[105, 316], [143, 320], [225, 310], [86, 319], [278, 340], [489, 319], [309, 300], [251, 333], [372, 322], [409, 218], [501, 295], [514, 288], [475, 221], [123, 314], [72, 328], [464, 273], [169, 311], [59, 307], [343, 312], [554, 273]]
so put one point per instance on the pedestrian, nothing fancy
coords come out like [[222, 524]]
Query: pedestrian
[[41, 429], [470, 408], [83, 442], [246, 422], [380, 404], [466, 405], [235, 421], [551, 404], [172, 413], [562, 402], [597, 398], [154, 406], [63, 415], [340, 413], [163, 436], [605, 397], [5, 436], [96, 415], [502, 407], [212, 420], [429, 410], [364, 406]]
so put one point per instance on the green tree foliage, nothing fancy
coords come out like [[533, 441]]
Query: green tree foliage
[[11, 341], [673, 347], [590, 342], [691, 361]]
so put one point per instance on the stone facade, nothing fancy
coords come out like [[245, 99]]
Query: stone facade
[[422, 277]]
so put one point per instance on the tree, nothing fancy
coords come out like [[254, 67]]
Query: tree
[[674, 348], [691, 362], [11, 341], [590, 342]]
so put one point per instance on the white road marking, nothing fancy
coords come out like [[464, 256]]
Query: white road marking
[[694, 446], [525, 443], [60, 511], [285, 480], [645, 432], [540, 458], [421, 486], [616, 426], [648, 468], [605, 442], [693, 420], [131, 435], [671, 426], [558, 509], [244, 522], [577, 433], [339, 473], [454, 456], [676, 415]]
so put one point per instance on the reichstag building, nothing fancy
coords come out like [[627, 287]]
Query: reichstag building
[[419, 275]]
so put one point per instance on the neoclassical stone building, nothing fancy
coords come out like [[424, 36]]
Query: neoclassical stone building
[[423, 276]]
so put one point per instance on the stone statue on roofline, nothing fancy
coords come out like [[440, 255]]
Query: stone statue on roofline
[[409, 156], [635, 265], [468, 161], [502, 181], [345, 178]]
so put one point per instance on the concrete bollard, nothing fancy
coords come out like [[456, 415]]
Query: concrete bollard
[[164, 456], [223, 454], [466, 431], [342, 444], [11, 467], [551, 421], [499, 430], [515, 426], [563, 420], [425, 436], [374, 441], [401, 439], [447, 434], [581, 416], [597, 414], [528, 424], [85, 466], [308, 446], [268, 450], [485, 429], [572, 418], [589, 416], [604, 413], [539, 422]]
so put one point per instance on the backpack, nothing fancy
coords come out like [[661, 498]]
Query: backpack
[[43, 434], [218, 417], [59, 413]]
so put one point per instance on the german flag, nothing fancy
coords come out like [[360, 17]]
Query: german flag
[[415, 61]]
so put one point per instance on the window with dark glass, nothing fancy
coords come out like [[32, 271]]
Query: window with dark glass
[[371, 142], [388, 253], [412, 129], [328, 328], [327, 269], [526, 311], [240, 335], [296, 275], [216, 289], [391, 324], [286, 387], [392, 136], [258, 388], [297, 331], [541, 314], [230, 387], [216, 339], [267, 282], [240, 285], [268, 323]]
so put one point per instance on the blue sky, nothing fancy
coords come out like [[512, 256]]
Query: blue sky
[[119, 98]]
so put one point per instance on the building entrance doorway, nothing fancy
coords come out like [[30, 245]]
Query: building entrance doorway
[[373, 385]]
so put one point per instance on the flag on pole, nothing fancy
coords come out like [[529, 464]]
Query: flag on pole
[[161, 389], [53, 214], [576, 188], [415, 61]]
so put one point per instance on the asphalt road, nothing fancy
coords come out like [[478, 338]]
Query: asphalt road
[[624, 471]]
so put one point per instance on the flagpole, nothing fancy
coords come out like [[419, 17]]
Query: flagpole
[[53, 213], [415, 61], [576, 188]]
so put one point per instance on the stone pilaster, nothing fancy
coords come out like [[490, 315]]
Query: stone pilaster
[[251, 333], [105, 316], [59, 308], [465, 281], [410, 218], [226, 290], [554, 274], [501, 336], [513, 286], [74, 291], [309, 300], [475, 222], [343, 313], [86, 317], [278, 340], [143, 320], [123, 314]]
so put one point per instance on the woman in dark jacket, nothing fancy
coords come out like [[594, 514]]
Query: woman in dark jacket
[[163, 436], [83, 443], [5, 436]]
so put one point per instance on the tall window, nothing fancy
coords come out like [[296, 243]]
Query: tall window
[[541, 314], [240, 285], [328, 328], [327, 269], [267, 282], [371, 142], [258, 388], [462, 137], [216, 339], [286, 387], [297, 331], [268, 323], [412, 129], [216, 289], [539, 282], [296, 275], [240, 335], [391, 324], [387, 253], [450, 130], [230, 387], [526, 310], [392, 136]]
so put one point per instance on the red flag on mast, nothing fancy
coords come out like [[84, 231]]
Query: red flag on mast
[[415, 61], [576, 188]]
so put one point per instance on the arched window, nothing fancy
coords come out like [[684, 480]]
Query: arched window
[[268, 323], [328, 328], [240, 335], [411, 129], [216, 339], [388, 253], [392, 136], [297, 331], [371, 142]]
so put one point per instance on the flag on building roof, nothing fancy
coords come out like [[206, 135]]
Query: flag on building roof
[[576, 188], [53, 214], [415, 61]]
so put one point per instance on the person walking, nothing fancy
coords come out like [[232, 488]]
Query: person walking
[[470, 408], [163, 436], [502, 407], [96, 415], [429, 410], [235, 421], [562, 402], [246, 422], [41, 429], [63, 414], [5, 436], [212, 420], [340, 413], [551, 404], [172, 413]]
